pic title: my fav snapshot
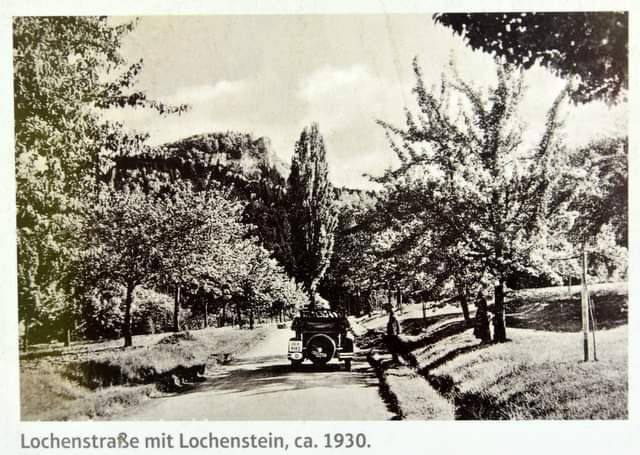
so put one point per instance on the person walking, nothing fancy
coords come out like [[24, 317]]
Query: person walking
[[481, 329], [393, 330]]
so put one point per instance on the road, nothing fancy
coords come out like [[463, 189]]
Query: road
[[261, 385]]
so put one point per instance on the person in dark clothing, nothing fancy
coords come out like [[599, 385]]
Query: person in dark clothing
[[392, 340], [481, 329]]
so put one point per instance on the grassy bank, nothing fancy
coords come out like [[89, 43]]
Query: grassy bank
[[538, 374], [96, 380]]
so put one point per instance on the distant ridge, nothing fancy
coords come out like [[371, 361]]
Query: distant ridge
[[238, 151]]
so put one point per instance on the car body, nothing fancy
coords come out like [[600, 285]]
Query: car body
[[321, 335]]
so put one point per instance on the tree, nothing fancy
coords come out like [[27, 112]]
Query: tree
[[249, 276], [593, 194], [138, 238], [310, 210], [467, 185], [124, 230], [590, 45], [599, 187], [65, 70], [201, 228], [348, 277]]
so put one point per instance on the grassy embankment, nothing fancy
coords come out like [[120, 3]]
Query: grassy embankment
[[96, 380], [538, 374]]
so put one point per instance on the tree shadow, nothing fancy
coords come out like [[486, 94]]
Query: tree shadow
[[424, 371], [564, 315], [446, 330], [415, 326], [270, 374]]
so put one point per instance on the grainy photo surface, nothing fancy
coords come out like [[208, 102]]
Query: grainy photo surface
[[322, 217]]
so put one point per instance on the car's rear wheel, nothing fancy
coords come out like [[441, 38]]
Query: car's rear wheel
[[320, 349]]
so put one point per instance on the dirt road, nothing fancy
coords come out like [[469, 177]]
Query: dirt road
[[261, 386]]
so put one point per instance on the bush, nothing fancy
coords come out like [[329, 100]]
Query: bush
[[102, 312], [150, 364], [151, 312]]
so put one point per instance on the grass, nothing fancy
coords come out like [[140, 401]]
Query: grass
[[538, 374], [565, 292], [416, 399], [559, 309], [47, 395], [95, 380]]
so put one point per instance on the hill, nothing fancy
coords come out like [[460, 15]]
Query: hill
[[244, 166]]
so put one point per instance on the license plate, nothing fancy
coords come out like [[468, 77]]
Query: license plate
[[295, 346]]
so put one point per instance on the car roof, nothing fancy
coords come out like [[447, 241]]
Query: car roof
[[319, 313]]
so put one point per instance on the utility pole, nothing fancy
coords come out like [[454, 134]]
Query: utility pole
[[585, 305]]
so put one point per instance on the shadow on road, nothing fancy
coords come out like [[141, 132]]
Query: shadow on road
[[273, 374]]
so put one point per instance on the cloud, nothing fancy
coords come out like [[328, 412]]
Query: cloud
[[338, 98], [200, 94], [346, 102], [210, 106]]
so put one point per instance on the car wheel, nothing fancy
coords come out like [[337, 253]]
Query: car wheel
[[320, 349]]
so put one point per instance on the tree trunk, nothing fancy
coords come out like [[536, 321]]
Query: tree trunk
[[464, 304], [128, 341], [206, 313], [35, 294], [499, 327], [251, 320], [25, 339], [176, 310], [67, 337], [399, 299], [223, 316]]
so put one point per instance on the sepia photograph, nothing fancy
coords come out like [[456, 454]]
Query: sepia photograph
[[321, 217]]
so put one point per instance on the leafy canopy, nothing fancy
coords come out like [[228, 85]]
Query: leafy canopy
[[590, 45]]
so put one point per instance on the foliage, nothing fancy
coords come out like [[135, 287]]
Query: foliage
[[65, 69], [136, 238], [590, 45], [311, 212], [349, 274], [102, 312], [599, 187], [466, 197], [244, 165], [193, 238]]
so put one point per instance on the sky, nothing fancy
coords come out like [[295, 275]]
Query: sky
[[271, 75]]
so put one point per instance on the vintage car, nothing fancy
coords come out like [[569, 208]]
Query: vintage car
[[321, 335]]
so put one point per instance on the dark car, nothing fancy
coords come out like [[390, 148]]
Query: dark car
[[321, 335]]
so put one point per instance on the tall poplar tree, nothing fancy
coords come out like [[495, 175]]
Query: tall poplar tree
[[310, 210]]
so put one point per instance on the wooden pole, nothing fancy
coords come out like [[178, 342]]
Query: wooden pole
[[585, 306]]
